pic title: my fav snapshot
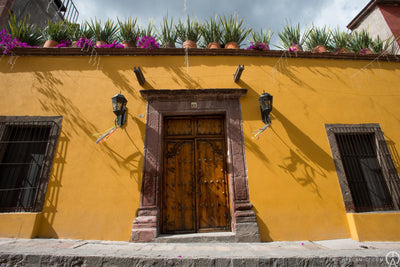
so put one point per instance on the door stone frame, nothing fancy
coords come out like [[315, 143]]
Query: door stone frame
[[160, 103]]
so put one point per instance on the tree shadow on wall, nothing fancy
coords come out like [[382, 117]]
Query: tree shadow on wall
[[134, 162], [282, 67], [56, 102], [47, 85], [307, 160], [182, 77], [53, 189]]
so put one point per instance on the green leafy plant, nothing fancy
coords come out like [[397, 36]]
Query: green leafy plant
[[128, 30], [359, 41], [148, 31], [339, 41], [25, 31], [74, 31], [317, 36], [263, 36], [189, 31], [86, 31], [384, 46], [167, 33], [291, 35], [211, 31], [106, 33], [233, 29], [56, 31]]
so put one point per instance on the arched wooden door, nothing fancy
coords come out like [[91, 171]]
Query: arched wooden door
[[195, 194]]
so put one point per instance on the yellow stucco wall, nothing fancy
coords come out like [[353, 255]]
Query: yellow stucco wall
[[94, 190], [19, 225], [374, 226]]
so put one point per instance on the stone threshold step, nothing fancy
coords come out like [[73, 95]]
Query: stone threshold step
[[216, 237]]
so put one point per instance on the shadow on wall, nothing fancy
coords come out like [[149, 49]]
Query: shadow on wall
[[183, 78], [115, 70], [282, 67], [134, 162], [47, 85], [393, 151], [53, 189], [75, 123], [264, 232], [303, 150]]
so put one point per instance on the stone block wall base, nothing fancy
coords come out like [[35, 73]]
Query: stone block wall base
[[247, 232], [144, 229], [143, 235]]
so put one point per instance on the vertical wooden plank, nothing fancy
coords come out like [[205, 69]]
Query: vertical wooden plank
[[178, 215], [213, 196]]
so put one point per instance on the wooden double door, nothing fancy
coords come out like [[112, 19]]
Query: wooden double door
[[195, 195]]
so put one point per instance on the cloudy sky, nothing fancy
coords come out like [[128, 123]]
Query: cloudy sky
[[257, 13]]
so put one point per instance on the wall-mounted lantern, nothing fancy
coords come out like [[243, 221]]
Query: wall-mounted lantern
[[266, 107], [139, 75], [119, 108], [238, 73]]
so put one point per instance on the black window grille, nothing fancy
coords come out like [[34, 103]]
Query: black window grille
[[367, 174], [27, 147]]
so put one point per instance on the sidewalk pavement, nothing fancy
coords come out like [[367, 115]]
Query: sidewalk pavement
[[67, 252]]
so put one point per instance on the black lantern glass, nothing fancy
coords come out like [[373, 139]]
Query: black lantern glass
[[119, 108], [266, 107]]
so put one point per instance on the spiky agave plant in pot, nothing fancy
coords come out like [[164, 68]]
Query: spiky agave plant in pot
[[56, 33], [128, 32], [388, 46], [260, 40], [360, 42], [147, 31], [291, 37], [103, 35], [233, 31], [84, 36], [188, 33], [167, 33], [24, 31], [339, 41], [318, 40], [74, 31], [211, 33]]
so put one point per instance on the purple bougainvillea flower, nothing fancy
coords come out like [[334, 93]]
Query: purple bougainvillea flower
[[147, 42], [258, 46], [7, 42], [84, 43], [64, 43]]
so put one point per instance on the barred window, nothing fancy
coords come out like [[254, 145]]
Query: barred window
[[27, 147], [367, 175]]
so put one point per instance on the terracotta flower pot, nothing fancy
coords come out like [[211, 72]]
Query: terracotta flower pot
[[213, 45], [100, 43], [365, 51], [129, 44], [319, 49], [232, 45], [266, 47], [189, 44], [343, 50], [168, 45], [296, 48], [50, 43]]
